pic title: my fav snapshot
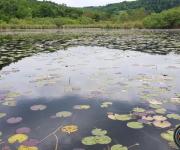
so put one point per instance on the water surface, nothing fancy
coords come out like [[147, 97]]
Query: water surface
[[135, 83]]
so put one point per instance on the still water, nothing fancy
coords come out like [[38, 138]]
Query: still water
[[90, 98]]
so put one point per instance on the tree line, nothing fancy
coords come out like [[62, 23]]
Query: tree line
[[135, 14]]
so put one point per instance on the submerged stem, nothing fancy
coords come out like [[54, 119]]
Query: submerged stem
[[56, 147], [50, 134], [137, 144]]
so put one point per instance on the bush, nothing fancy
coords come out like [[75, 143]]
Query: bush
[[166, 19]]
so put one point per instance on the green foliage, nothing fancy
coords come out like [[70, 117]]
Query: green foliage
[[148, 5], [166, 19], [133, 14], [130, 15]]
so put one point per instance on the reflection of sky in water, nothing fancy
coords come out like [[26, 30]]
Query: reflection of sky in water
[[89, 75], [86, 70]]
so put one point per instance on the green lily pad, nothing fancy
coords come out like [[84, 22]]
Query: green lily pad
[[123, 117], [175, 100], [155, 102], [160, 111], [99, 132], [139, 110], [173, 116], [106, 104], [148, 118], [118, 147], [63, 114], [2, 115], [103, 139], [135, 125], [11, 103], [81, 107], [155, 106], [168, 136], [159, 118], [90, 140], [162, 124], [173, 145]]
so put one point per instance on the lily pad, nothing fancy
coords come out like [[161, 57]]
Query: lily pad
[[23, 130], [14, 120], [106, 104], [90, 140], [17, 138], [155, 102], [111, 116], [159, 118], [23, 147], [155, 106], [144, 121], [135, 125], [103, 139], [148, 118], [119, 147], [2, 115], [162, 124], [173, 116], [99, 132], [123, 117], [160, 111], [38, 107], [139, 110], [9, 103], [168, 136], [69, 129], [63, 114], [80, 107], [175, 100], [31, 142]]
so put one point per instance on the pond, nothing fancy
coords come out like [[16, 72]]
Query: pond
[[108, 90]]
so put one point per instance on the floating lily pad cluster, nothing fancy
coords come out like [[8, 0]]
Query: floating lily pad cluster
[[98, 137], [23, 140], [143, 116], [10, 99]]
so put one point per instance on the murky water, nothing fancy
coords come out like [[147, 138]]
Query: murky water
[[133, 96]]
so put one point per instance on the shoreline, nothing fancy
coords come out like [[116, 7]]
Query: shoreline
[[62, 30]]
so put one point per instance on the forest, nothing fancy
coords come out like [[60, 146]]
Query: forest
[[132, 14]]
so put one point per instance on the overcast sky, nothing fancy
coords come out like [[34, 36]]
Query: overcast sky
[[82, 3]]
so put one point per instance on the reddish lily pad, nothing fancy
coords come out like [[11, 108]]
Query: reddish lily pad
[[14, 120], [31, 142], [23, 130]]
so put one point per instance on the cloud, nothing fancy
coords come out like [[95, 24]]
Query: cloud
[[82, 3]]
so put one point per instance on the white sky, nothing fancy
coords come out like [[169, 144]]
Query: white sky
[[82, 3]]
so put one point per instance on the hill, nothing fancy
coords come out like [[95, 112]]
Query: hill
[[149, 5], [132, 14]]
